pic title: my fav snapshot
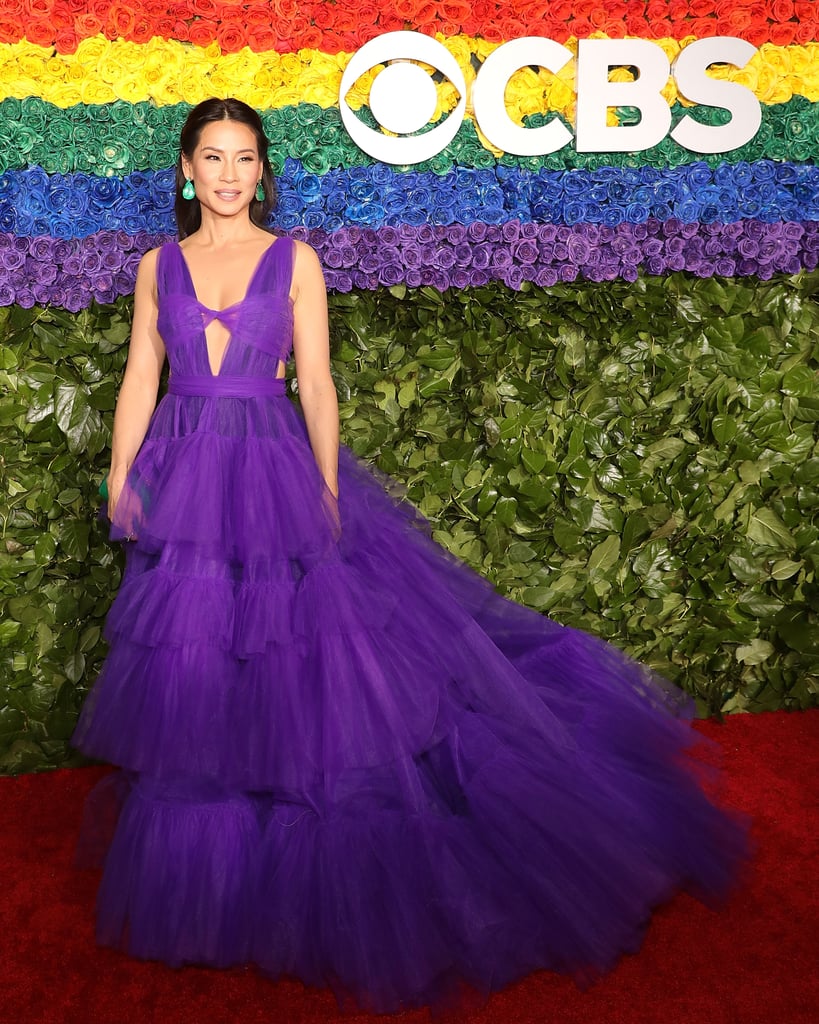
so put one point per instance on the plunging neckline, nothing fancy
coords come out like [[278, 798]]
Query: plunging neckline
[[219, 314], [248, 289]]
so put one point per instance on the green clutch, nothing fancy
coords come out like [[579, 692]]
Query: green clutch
[[104, 488]]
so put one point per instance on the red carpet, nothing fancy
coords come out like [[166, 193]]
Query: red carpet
[[755, 962]]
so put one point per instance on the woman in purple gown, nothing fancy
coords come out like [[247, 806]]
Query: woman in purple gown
[[346, 758]]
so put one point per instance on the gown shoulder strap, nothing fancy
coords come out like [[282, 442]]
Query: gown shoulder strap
[[276, 274], [171, 278]]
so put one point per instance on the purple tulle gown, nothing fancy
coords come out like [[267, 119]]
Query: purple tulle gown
[[347, 759]]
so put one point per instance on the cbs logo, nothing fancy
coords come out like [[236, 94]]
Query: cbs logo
[[403, 96]]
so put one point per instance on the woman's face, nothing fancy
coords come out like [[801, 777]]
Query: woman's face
[[225, 167]]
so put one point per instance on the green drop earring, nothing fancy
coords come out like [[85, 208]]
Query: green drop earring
[[188, 189], [260, 192]]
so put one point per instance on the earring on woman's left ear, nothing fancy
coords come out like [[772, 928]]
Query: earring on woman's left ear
[[188, 189], [260, 192]]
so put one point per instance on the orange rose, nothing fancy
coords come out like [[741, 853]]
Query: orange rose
[[40, 9], [805, 10], [285, 9], [678, 10], [781, 10], [87, 25]]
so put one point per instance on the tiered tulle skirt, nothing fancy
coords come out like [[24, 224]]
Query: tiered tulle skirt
[[348, 760]]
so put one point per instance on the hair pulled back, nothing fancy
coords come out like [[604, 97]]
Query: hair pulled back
[[188, 211]]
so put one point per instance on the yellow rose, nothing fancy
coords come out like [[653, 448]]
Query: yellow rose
[[561, 94], [92, 90], [671, 47], [90, 50], [63, 95]]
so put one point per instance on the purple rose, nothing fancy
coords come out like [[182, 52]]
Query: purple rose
[[725, 267], [525, 252], [42, 249], [390, 273], [546, 276], [443, 257], [463, 254], [413, 277], [512, 276], [481, 256], [339, 280]]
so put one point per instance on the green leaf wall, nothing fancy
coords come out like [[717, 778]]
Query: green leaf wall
[[640, 460]]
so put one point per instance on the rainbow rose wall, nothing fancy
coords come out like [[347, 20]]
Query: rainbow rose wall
[[594, 372]]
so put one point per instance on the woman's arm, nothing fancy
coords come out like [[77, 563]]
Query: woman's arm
[[137, 395], [311, 346]]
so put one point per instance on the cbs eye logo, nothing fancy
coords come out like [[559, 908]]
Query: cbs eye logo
[[403, 96]]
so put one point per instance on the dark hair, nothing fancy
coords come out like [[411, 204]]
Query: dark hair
[[188, 212]]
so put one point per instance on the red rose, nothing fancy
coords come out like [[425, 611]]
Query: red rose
[[202, 32], [702, 28], [407, 9], [492, 34], [806, 32], [120, 21], [66, 40], [324, 15], [454, 10], [99, 8], [231, 36], [581, 28], [388, 22], [166, 28], [636, 25], [143, 29], [782, 35], [261, 38], [312, 38], [201, 8], [659, 28], [40, 31], [805, 10], [656, 10], [700, 8], [678, 10], [780, 10], [563, 10]]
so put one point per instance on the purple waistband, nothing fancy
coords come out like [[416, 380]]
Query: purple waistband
[[226, 387]]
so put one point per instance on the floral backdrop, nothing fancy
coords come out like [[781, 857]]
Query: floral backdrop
[[594, 373], [93, 94]]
